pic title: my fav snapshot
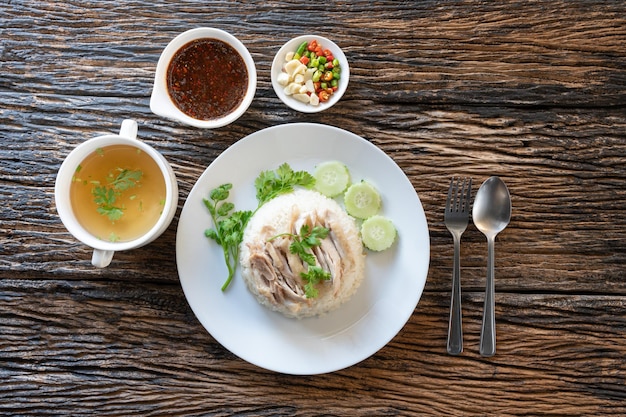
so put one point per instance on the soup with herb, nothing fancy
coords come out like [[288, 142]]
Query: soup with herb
[[118, 193], [207, 79]]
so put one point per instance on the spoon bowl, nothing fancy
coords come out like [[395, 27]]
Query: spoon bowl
[[492, 207], [491, 214]]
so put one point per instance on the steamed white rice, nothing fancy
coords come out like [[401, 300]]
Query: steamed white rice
[[272, 274]]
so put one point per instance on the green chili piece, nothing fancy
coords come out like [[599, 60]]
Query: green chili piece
[[301, 48]]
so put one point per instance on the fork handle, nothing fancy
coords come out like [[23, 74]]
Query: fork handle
[[455, 328]]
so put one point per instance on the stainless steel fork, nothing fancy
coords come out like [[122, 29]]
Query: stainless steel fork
[[456, 217]]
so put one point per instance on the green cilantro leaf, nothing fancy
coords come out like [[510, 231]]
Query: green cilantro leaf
[[270, 184], [105, 196], [313, 276], [228, 228], [126, 179]]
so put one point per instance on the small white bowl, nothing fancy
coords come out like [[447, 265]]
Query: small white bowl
[[160, 101], [279, 62]]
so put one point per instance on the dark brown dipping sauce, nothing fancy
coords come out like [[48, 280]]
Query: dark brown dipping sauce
[[207, 79]]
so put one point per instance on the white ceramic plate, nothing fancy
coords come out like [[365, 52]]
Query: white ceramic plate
[[359, 328]]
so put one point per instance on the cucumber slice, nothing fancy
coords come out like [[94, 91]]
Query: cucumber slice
[[362, 200], [378, 233], [331, 178]]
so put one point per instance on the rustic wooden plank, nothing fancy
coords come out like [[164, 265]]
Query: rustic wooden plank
[[475, 53], [533, 91], [85, 346]]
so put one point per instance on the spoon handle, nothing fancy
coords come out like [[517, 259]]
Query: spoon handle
[[488, 331], [455, 328]]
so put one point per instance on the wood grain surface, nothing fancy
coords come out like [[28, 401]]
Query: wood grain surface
[[532, 91]]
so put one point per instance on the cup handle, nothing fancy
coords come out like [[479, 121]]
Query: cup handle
[[101, 258], [129, 129]]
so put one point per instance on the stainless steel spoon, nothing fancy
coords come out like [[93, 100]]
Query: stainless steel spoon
[[491, 214]]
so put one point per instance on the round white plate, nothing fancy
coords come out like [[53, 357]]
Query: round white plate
[[360, 327]]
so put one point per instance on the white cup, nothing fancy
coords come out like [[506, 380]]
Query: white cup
[[103, 250]]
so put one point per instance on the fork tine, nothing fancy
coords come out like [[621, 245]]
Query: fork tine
[[459, 195], [465, 203], [449, 203]]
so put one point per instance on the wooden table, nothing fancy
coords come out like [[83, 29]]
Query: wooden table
[[532, 91]]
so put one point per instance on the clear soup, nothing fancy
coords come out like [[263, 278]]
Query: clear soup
[[118, 193]]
